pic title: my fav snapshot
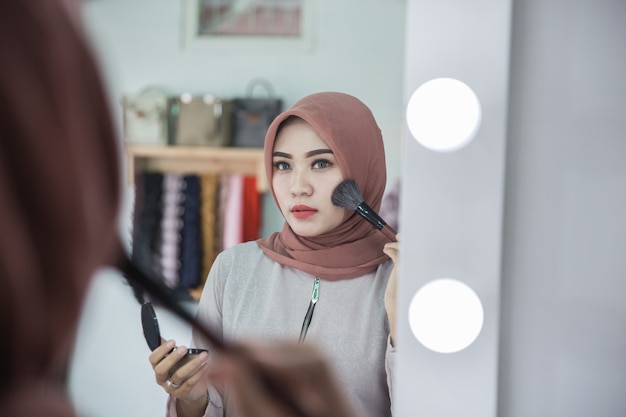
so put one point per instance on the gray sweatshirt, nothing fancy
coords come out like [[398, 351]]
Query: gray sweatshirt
[[248, 295]]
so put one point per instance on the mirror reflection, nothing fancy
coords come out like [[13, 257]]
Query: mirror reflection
[[529, 215], [235, 199]]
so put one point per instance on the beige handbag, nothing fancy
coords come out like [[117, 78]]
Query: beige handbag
[[145, 116], [202, 120]]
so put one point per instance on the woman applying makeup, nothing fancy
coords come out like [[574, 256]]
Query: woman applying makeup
[[322, 279], [60, 193]]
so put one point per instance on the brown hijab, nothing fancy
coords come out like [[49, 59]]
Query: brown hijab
[[59, 196], [355, 247]]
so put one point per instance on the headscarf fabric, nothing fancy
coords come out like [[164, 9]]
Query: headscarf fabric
[[354, 248], [59, 198]]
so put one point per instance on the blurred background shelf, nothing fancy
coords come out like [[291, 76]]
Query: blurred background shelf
[[196, 160]]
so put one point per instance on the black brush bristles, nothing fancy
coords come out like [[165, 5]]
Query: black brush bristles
[[348, 196]]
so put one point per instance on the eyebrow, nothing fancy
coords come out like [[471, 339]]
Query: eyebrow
[[307, 155]]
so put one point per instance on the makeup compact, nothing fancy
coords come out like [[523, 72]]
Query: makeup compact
[[151, 331]]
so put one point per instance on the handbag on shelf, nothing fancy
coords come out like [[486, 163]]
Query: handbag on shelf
[[145, 116], [201, 120], [253, 115]]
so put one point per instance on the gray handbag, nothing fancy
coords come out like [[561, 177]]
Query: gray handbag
[[202, 120], [253, 115]]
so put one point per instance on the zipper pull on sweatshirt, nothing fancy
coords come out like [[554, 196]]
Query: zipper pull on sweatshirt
[[309, 313], [316, 291]]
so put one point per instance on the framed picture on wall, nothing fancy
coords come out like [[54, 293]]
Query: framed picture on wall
[[255, 24]]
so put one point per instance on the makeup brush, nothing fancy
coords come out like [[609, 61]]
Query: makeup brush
[[348, 196], [154, 286]]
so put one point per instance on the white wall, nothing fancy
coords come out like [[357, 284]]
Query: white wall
[[562, 338], [358, 48], [563, 349]]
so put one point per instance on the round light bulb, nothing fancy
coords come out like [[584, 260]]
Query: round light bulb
[[443, 114], [446, 315]]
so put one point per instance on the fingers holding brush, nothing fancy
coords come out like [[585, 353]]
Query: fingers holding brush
[[391, 249]]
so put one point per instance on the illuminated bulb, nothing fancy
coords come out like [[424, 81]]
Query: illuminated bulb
[[443, 114], [446, 315]]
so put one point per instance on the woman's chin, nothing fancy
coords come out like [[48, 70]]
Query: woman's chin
[[304, 230]]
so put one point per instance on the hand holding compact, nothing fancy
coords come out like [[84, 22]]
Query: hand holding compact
[[182, 375], [178, 370]]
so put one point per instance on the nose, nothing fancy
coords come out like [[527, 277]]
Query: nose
[[301, 184]]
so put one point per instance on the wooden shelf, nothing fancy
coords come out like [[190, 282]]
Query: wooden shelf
[[196, 160]]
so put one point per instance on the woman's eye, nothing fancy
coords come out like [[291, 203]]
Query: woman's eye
[[322, 163], [281, 166]]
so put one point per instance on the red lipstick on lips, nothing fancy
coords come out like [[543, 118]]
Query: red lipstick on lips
[[301, 211]]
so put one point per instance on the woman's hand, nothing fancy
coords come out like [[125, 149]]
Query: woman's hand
[[183, 376], [391, 249], [300, 371]]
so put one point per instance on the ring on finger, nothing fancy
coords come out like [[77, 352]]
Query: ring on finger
[[171, 383]]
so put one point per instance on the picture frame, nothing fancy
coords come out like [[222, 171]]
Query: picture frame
[[224, 25]]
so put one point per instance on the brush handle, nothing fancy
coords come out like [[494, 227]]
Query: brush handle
[[165, 295], [371, 216], [155, 287], [389, 233]]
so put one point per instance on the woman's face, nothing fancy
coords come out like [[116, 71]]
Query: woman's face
[[305, 174]]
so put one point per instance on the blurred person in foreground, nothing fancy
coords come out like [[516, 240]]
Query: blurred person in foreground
[[59, 203]]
